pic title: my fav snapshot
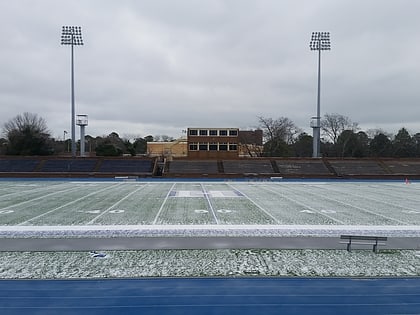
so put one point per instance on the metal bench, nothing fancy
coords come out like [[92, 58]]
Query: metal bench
[[363, 240]]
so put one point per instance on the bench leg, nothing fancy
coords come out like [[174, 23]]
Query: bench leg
[[349, 246], [375, 248]]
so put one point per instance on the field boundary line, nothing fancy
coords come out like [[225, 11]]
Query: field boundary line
[[163, 203]]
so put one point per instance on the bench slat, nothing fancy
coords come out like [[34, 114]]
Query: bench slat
[[363, 238]]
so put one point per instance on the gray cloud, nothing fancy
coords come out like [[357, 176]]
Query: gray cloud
[[158, 67]]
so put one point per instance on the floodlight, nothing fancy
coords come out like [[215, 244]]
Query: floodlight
[[72, 35], [319, 41]]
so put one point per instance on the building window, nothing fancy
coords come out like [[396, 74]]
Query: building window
[[203, 132], [213, 146], [193, 146], [213, 132], [203, 146], [223, 146], [233, 147], [233, 133], [223, 132], [193, 132]]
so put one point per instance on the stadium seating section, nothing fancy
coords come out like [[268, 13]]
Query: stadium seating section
[[248, 167], [181, 167], [258, 167]]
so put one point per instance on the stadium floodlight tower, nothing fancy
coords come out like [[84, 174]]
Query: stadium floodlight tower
[[319, 41], [82, 121], [72, 35]]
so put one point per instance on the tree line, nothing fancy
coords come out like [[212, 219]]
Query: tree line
[[28, 134], [340, 138]]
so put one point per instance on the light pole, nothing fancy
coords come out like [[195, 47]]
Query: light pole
[[72, 35], [319, 41]]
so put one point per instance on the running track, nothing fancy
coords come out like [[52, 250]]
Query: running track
[[244, 296]]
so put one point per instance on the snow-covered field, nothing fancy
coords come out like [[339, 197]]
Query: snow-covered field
[[147, 208], [70, 203]]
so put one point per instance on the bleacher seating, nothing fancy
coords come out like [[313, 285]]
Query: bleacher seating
[[303, 167], [402, 167], [248, 167], [357, 167], [18, 165], [134, 166], [193, 167], [260, 167], [69, 165]]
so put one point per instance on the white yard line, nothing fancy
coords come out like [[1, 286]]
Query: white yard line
[[257, 205], [115, 204], [304, 205], [209, 203], [365, 210], [33, 190], [37, 198], [163, 203], [67, 204]]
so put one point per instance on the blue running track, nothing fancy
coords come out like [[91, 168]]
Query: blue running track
[[244, 296]]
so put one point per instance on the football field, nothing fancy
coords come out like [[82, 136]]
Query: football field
[[211, 204]]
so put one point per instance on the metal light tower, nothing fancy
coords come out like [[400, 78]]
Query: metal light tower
[[319, 41], [72, 35]]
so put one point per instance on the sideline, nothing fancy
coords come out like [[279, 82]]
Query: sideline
[[171, 242]]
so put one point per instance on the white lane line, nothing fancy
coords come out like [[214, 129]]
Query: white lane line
[[209, 203], [67, 204], [163, 203], [256, 204], [114, 205]]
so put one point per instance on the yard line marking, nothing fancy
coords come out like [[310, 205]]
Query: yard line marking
[[304, 205], [33, 190], [163, 203], [256, 204], [206, 194], [115, 204], [67, 204], [366, 210], [38, 198]]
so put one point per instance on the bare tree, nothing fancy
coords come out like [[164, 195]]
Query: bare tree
[[333, 125], [282, 128], [278, 134], [27, 134]]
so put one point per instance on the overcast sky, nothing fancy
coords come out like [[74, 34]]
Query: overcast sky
[[160, 66]]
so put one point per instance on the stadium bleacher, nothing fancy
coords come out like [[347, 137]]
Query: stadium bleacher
[[248, 167], [314, 167], [18, 165], [193, 167], [132, 166], [69, 165], [402, 167], [358, 167], [259, 167]]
